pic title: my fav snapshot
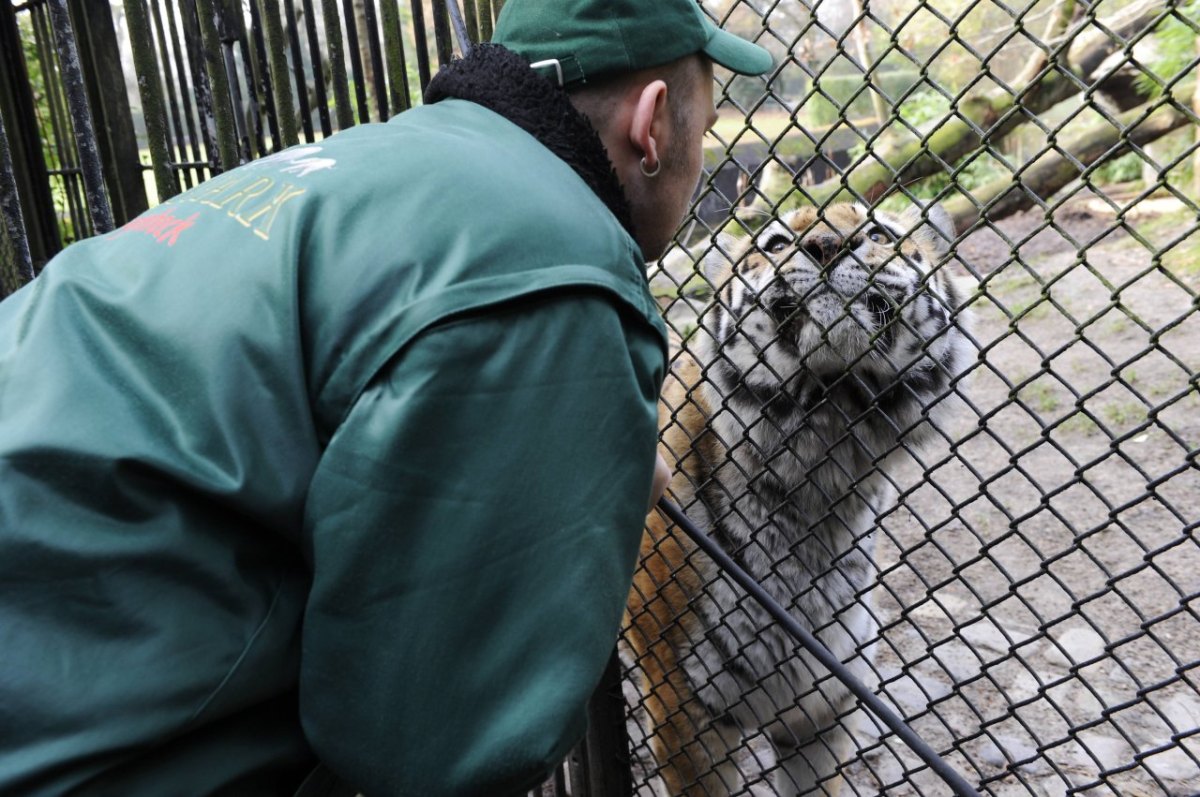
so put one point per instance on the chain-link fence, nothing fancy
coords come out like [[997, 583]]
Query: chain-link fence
[[1015, 570], [952, 430]]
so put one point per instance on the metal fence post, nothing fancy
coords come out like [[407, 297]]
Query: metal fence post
[[320, 98], [100, 58], [606, 746], [378, 88], [246, 116], [441, 34], [154, 114], [289, 15], [259, 80], [337, 63], [282, 88], [81, 117], [222, 108], [393, 46], [470, 20], [29, 163], [485, 20], [12, 225], [358, 76], [422, 43]]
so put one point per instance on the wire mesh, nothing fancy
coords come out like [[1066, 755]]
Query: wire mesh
[[961, 448], [1032, 599]]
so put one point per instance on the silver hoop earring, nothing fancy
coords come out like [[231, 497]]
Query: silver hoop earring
[[648, 172]]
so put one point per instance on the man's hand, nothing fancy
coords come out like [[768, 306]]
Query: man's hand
[[662, 475]]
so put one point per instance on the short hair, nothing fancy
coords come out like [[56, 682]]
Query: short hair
[[597, 100]]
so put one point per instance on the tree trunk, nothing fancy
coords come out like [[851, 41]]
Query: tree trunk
[[863, 50], [1196, 135], [1053, 171], [983, 117]]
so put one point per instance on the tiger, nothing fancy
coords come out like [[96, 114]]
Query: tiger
[[834, 337]]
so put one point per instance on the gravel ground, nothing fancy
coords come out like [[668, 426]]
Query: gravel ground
[[1040, 576]]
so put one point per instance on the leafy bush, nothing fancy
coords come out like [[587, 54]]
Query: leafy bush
[[842, 96], [924, 106], [1175, 50], [1124, 169]]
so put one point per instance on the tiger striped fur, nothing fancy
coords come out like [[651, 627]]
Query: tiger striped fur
[[831, 339]]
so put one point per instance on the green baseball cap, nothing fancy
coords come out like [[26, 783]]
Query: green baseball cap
[[581, 40]]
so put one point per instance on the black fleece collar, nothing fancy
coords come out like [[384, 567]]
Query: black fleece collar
[[501, 81]]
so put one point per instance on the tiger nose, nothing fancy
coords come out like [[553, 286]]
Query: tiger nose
[[821, 248]]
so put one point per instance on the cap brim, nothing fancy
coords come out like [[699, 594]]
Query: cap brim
[[737, 54]]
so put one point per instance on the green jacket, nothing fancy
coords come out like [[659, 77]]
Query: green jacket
[[345, 452]]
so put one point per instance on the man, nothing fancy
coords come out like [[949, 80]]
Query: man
[[343, 455]]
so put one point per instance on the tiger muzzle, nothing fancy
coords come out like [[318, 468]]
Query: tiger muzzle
[[823, 250]]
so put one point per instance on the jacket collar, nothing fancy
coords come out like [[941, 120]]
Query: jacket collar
[[501, 81]]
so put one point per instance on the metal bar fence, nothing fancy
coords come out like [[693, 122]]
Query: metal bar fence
[[1016, 574], [16, 256], [286, 122], [154, 115], [262, 82], [81, 118], [219, 81], [63, 157], [333, 39], [175, 97]]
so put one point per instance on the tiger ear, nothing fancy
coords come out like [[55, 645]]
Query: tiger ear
[[931, 225], [718, 260]]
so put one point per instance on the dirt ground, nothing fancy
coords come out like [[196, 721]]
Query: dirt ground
[[1039, 590]]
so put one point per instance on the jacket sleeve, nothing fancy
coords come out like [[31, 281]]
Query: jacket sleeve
[[473, 526]]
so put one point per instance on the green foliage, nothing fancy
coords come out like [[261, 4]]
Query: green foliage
[[1124, 169], [919, 108], [1174, 49], [41, 108], [924, 106], [37, 80], [971, 172], [842, 96]]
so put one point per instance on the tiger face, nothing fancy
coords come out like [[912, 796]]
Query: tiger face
[[830, 343], [815, 296]]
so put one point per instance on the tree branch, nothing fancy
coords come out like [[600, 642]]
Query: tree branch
[[1056, 28], [978, 119], [1053, 171], [1090, 50]]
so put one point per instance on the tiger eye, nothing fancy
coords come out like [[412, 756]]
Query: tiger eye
[[776, 244]]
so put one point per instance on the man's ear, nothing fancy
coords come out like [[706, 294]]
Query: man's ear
[[648, 125]]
